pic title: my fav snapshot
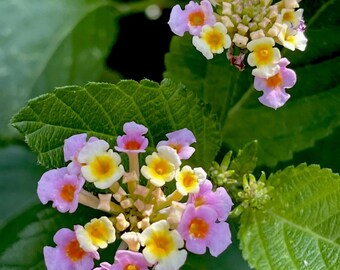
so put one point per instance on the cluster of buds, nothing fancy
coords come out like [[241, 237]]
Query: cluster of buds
[[156, 229], [247, 27]]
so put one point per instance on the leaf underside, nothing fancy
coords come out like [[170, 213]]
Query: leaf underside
[[101, 109]]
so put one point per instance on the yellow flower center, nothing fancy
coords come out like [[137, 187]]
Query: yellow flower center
[[274, 81], [102, 167], [263, 55], [74, 251], [132, 145], [198, 228], [161, 244], [67, 192], [196, 18], [162, 167], [97, 231], [215, 39]]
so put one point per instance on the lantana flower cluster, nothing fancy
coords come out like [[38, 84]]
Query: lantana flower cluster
[[156, 229], [247, 28]]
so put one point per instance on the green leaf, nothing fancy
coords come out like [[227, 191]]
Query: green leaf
[[286, 131], [101, 109], [245, 161], [19, 176], [49, 43], [299, 229], [23, 238]]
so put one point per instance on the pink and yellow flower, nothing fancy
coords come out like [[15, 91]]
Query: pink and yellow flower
[[129, 260], [68, 254], [199, 229], [161, 166], [180, 140], [100, 165], [192, 18], [264, 57], [274, 94], [162, 246], [188, 179], [97, 233], [219, 200], [61, 188], [133, 141], [72, 147]]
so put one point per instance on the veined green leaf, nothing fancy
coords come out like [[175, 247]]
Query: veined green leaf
[[49, 43], [299, 228], [310, 115], [101, 109]]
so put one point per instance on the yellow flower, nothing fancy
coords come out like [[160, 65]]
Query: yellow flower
[[214, 39], [161, 167], [264, 57], [98, 233], [161, 246], [292, 39], [188, 179], [100, 165]]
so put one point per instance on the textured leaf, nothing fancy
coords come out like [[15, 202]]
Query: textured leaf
[[300, 227], [19, 175], [101, 110], [283, 132], [50, 43], [245, 161], [23, 238]]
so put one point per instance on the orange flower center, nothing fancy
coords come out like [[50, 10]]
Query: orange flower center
[[198, 228], [162, 167], [67, 192], [196, 18], [199, 201], [274, 81], [132, 145], [215, 39], [131, 267], [189, 180], [288, 17], [177, 147], [74, 251]]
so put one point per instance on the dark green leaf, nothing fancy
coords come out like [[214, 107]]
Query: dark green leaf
[[101, 110], [299, 229], [310, 115], [19, 176], [50, 43]]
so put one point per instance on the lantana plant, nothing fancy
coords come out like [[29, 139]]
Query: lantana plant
[[185, 170], [156, 229], [247, 29]]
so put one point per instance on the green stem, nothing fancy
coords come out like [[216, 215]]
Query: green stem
[[240, 103]]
